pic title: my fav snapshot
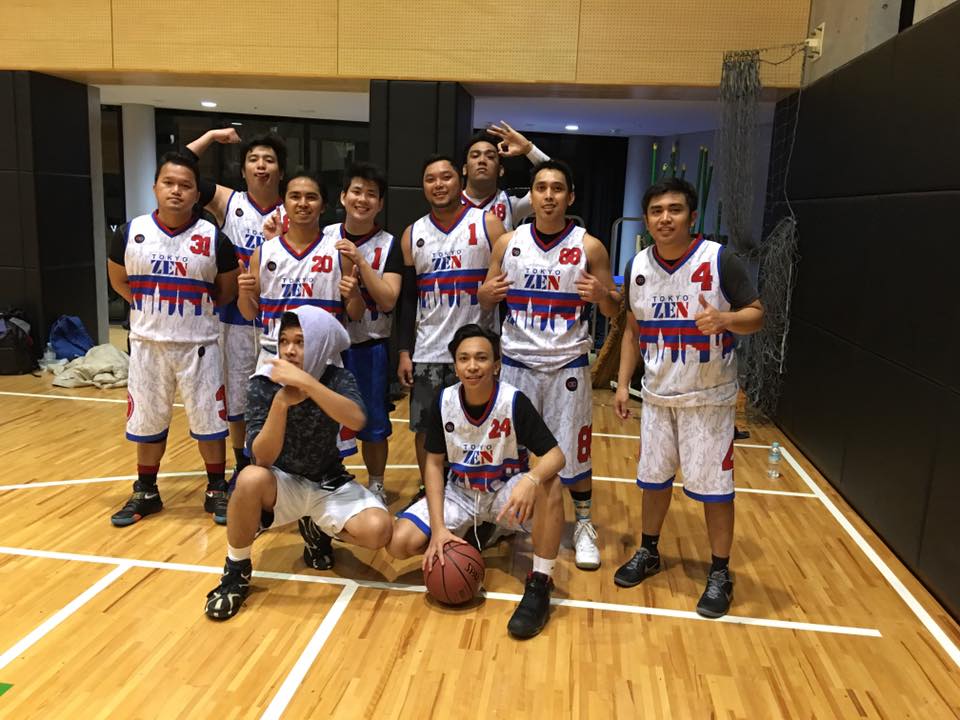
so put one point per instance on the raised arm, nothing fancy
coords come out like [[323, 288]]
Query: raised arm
[[221, 195]]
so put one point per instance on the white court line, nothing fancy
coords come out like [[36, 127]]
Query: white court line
[[198, 473], [922, 615], [69, 397], [379, 585], [58, 617], [295, 676]]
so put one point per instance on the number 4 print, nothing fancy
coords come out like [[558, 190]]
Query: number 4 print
[[702, 275]]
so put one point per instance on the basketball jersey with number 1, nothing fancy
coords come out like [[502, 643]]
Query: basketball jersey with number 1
[[682, 366], [451, 263], [291, 279], [483, 453]]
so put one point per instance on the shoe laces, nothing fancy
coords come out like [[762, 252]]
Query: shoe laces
[[639, 559], [715, 583], [584, 532]]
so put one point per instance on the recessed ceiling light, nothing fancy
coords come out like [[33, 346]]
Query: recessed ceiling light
[[571, 127], [236, 123], [208, 103]]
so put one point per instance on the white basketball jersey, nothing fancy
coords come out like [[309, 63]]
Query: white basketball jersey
[[451, 263], [682, 367], [483, 454], [172, 274], [546, 327], [498, 204], [375, 248], [289, 279], [243, 223]]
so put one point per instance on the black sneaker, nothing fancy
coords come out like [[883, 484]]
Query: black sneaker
[[534, 609], [715, 601], [215, 501], [140, 504], [317, 545], [643, 564], [739, 434], [224, 601]]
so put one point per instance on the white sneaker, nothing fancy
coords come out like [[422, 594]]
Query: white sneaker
[[379, 493], [585, 543]]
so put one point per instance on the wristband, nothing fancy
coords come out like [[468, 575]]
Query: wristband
[[528, 476]]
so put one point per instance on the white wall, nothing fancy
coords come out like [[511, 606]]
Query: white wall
[[852, 28], [925, 8]]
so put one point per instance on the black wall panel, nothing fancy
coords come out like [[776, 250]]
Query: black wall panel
[[8, 136], [872, 389], [60, 126], [65, 220], [11, 240]]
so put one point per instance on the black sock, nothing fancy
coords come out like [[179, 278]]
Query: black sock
[[146, 478], [216, 476], [240, 459], [719, 563], [650, 543]]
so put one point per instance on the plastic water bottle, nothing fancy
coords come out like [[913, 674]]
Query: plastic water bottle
[[49, 357], [773, 461]]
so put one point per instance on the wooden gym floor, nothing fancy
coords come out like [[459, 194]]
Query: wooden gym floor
[[101, 622]]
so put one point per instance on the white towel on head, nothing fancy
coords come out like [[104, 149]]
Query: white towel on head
[[324, 338]]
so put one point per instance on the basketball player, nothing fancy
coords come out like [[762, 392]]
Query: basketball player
[[550, 272], [482, 167], [446, 254], [174, 268], [380, 262], [481, 427], [241, 215], [296, 405], [688, 296]]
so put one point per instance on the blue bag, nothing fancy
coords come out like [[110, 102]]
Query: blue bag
[[68, 337]]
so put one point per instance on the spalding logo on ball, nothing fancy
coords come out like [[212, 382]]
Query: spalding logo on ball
[[460, 576]]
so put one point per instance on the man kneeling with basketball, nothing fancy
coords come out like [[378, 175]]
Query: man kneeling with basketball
[[483, 428], [295, 407]]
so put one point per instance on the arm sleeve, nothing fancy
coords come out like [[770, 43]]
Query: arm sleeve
[[118, 245], [406, 336], [435, 442], [260, 392], [735, 281], [394, 263], [208, 190], [226, 255], [532, 432]]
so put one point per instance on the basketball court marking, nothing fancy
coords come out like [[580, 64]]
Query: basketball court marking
[[299, 671], [66, 611], [202, 473], [949, 647], [379, 585]]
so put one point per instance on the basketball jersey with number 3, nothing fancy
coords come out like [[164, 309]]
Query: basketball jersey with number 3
[[682, 366]]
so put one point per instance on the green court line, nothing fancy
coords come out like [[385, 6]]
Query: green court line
[[4, 687]]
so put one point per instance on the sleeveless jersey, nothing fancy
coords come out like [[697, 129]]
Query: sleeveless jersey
[[498, 204], [375, 248], [243, 223], [546, 327], [172, 273], [483, 454], [289, 279], [451, 264], [682, 367]]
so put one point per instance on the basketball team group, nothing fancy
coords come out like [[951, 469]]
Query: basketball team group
[[275, 331]]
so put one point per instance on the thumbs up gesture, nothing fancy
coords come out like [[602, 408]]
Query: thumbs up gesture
[[350, 284], [710, 321]]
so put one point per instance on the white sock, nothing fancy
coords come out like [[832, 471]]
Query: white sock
[[542, 565], [238, 554], [376, 481]]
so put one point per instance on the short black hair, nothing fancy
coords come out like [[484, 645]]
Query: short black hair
[[288, 320], [482, 136], [473, 330], [671, 185], [365, 171], [304, 173], [553, 164], [177, 158], [438, 158], [270, 140]]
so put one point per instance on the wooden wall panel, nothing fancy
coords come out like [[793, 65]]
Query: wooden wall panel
[[55, 35], [644, 42], [533, 41], [235, 36]]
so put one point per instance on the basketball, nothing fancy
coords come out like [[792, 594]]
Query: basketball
[[458, 579]]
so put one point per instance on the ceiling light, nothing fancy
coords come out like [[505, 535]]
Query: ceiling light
[[208, 103], [571, 127], [236, 123]]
